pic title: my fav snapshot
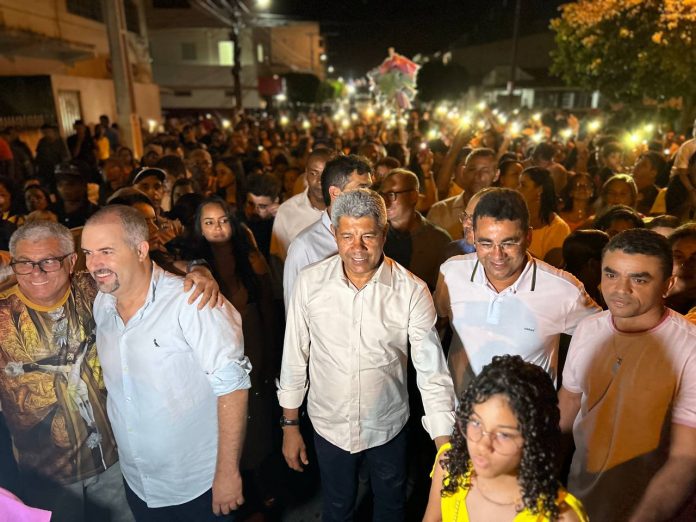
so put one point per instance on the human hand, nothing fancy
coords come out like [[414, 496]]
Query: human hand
[[205, 285], [294, 449], [227, 493]]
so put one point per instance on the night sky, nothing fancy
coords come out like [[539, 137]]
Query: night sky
[[359, 32]]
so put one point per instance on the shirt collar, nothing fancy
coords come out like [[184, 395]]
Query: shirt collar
[[155, 277], [526, 280], [326, 220]]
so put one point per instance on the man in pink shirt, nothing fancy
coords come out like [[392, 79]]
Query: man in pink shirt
[[629, 391]]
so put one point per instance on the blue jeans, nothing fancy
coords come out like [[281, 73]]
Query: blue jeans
[[199, 509], [386, 465]]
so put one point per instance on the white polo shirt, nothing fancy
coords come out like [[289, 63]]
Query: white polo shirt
[[525, 319]]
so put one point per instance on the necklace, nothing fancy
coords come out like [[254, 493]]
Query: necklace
[[495, 502]]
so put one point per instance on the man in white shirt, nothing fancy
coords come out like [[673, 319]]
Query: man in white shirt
[[358, 313], [500, 300], [317, 242], [629, 392], [177, 378], [302, 209]]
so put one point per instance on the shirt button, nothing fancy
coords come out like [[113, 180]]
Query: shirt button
[[128, 399]]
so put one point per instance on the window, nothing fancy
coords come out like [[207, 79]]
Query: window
[[226, 53], [259, 53], [132, 19], [188, 51], [85, 8]]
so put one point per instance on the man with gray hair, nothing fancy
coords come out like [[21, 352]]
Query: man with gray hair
[[357, 313], [51, 388], [316, 242], [51, 384]]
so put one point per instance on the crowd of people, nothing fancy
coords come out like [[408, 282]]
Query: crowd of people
[[504, 301]]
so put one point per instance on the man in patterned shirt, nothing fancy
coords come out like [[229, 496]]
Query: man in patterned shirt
[[51, 385]]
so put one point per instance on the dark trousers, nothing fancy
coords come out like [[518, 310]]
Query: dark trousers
[[199, 509], [386, 465]]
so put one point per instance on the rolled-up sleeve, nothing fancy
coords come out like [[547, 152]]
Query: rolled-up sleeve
[[433, 377], [215, 335], [293, 384]]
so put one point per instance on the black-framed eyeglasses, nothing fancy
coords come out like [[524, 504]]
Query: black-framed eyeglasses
[[50, 264], [391, 196]]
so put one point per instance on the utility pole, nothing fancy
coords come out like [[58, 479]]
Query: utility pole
[[513, 61], [127, 117]]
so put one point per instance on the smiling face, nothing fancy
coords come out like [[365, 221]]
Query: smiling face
[[633, 287], [477, 173], [44, 288], [496, 418], [501, 247], [360, 243], [111, 260]]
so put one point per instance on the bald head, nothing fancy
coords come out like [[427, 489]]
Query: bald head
[[406, 179]]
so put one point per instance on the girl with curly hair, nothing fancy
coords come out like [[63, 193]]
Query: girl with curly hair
[[500, 463]]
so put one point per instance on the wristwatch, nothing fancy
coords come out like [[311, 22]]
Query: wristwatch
[[288, 422]]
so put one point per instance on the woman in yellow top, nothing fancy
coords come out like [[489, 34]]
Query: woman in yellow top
[[500, 464]]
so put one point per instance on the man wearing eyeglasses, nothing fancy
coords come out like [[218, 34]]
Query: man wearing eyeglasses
[[51, 385], [500, 300], [412, 241]]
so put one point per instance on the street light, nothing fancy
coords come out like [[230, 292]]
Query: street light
[[330, 69]]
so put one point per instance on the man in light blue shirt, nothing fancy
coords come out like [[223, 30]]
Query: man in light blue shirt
[[177, 378]]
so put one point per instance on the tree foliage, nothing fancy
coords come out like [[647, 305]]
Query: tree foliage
[[628, 49]]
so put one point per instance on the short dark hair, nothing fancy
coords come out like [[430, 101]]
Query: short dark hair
[[481, 152], [645, 242], [172, 165], [389, 162], [664, 220], [544, 151], [581, 246], [337, 172], [502, 204], [686, 231], [610, 148], [614, 212], [263, 185]]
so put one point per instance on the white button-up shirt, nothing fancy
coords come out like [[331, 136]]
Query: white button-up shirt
[[359, 345], [525, 319], [163, 372], [293, 216], [314, 243]]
